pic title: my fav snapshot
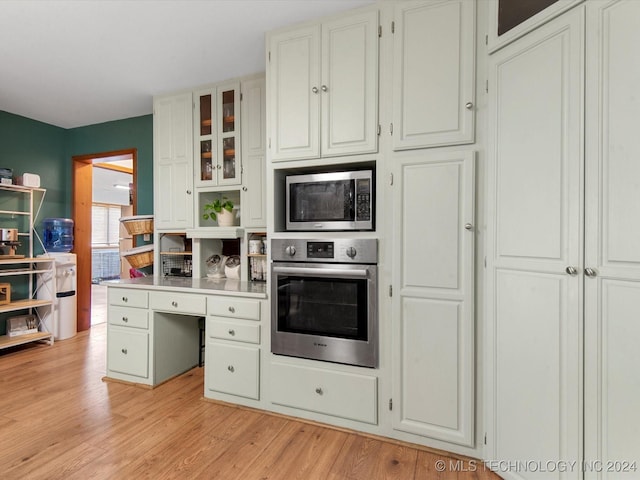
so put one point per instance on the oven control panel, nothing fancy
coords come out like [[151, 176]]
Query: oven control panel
[[342, 250]]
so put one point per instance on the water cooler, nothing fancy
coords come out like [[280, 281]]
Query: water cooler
[[62, 286]]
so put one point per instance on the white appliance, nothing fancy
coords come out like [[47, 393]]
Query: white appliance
[[62, 285]]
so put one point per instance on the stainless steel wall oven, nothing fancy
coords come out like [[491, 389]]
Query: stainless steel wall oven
[[324, 300]]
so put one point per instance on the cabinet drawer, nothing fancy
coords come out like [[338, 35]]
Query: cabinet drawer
[[128, 317], [234, 307], [237, 331], [233, 369], [178, 303], [128, 351], [339, 394], [128, 297]]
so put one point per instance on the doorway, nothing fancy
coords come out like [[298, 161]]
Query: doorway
[[82, 214]]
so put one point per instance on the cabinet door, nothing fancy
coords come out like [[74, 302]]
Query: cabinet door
[[534, 326], [233, 369], [128, 351], [254, 211], [433, 340], [229, 121], [612, 296], [205, 137], [294, 94], [173, 162], [433, 73], [349, 89]]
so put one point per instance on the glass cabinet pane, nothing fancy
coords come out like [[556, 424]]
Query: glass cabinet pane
[[229, 158], [206, 160], [205, 115], [228, 111]]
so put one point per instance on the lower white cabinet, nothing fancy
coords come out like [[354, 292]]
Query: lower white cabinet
[[128, 351], [233, 369], [340, 394]]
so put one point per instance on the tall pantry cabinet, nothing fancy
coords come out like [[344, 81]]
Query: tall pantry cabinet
[[433, 230], [563, 264]]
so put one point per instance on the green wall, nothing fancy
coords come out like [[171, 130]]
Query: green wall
[[124, 134]]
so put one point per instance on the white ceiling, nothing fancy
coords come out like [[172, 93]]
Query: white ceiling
[[72, 63]]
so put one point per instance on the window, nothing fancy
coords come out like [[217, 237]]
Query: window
[[105, 228]]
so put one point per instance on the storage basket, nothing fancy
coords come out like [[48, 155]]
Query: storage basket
[[138, 224], [139, 257]]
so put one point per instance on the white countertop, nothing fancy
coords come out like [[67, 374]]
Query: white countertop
[[207, 286]]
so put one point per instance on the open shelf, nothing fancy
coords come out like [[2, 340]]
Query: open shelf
[[7, 341]]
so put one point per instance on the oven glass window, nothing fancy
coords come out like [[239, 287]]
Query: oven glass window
[[319, 306], [322, 201]]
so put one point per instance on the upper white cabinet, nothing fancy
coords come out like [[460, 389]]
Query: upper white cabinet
[[217, 121], [323, 88], [433, 298], [253, 201], [433, 73], [173, 161]]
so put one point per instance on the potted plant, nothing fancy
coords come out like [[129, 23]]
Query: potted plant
[[219, 210]]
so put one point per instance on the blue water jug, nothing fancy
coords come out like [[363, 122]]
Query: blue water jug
[[58, 234]]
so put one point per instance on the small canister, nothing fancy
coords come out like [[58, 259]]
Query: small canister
[[255, 247]]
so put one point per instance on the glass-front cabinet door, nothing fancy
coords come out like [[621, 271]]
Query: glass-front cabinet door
[[217, 135], [229, 168], [205, 137]]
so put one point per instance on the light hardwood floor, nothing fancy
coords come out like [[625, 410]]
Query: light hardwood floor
[[59, 420]]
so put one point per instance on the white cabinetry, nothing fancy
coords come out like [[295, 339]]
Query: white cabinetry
[[232, 364], [563, 263], [173, 162], [433, 73], [323, 84], [253, 108], [433, 298]]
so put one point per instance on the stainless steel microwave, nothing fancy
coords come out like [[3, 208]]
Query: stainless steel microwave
[[330, 201]]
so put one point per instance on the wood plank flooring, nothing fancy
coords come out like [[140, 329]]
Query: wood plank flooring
[[59, 420]]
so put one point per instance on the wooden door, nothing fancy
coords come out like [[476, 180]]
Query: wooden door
[[534, 314], [433, 73], [612, 235], [433, 336], [349, 90], [294, 84]]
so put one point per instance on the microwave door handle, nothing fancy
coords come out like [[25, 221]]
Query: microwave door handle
[[321, 272]]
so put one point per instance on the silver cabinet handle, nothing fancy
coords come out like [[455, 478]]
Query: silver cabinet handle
[[188, 192], [231, 369], [468, 105], [174, 304], [571, 270], [244, 189], [319, 391], [125, 299], [468, 226], [324, 88], [232, 332], [125, 319], [314, 89], [219, 167], [124, 350], [232, 309], [590, 272]]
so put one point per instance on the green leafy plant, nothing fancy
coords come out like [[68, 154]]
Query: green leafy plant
[[211, 210]]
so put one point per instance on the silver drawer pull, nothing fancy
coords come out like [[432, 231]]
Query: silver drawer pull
[[124, 350], [125, 299], [125, 319], [232, 309], [231, 369], [319, 391], [232, 332], [174, 304]]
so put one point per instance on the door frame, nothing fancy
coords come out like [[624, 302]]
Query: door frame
[[81, 203]]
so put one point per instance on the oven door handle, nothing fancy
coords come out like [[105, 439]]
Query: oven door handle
[[323, 272]]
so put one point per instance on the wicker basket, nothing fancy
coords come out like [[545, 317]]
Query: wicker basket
[[138, 225], [139, 257]]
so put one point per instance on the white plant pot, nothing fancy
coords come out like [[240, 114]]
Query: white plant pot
[[225, 218]]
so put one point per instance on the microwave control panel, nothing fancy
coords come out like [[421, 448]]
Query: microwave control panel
[[363, 199]]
